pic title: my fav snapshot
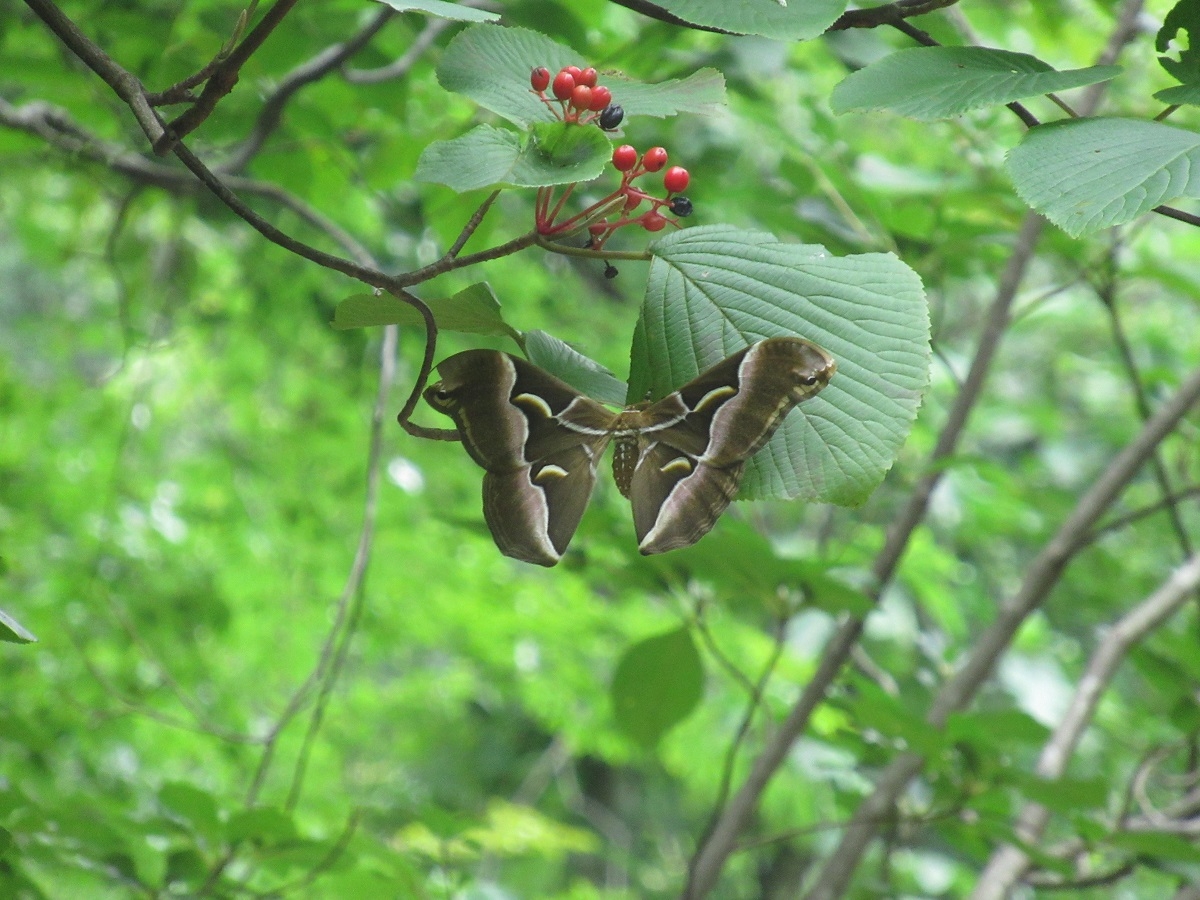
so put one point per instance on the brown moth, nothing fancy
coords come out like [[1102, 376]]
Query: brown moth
[[679, 460]]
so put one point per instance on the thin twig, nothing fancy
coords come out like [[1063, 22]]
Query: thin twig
[[351, 602], [328, 60], [223, 78]]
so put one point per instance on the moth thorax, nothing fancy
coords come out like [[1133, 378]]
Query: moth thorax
[[625, 457]]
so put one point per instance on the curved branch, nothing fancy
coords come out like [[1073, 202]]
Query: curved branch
[[1040, 579], [1009, 863]]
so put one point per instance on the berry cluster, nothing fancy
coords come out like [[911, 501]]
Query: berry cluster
[[577, 96], [623, 201]]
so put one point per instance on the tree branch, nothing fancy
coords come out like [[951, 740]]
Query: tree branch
[[1041, 577], [223, 78], [710, 857], [1009, 862], [329, 59]]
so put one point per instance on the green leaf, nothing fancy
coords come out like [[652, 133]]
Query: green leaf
[[473, 310], [996, 728], [486, 156], [657, 684], [264, 825], [1185, 17], [874, 707], [740, 564], [1088, 174], [1180, 95], [490, 64], [443, 9], [196, 808], [779, 19], [584, 374], [702, 92], [939, 82], [1065, 795], [1156, 845], [13, 631], [732, 287]]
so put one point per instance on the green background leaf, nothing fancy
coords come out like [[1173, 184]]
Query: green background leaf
[[939, 82], [13, 631], [657, 684]]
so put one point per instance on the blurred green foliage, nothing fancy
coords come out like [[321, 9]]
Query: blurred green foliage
[[183, 456]]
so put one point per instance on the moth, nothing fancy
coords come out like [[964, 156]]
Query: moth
[[678, 460]]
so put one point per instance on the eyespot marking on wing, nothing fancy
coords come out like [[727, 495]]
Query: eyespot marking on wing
[[680, 464], [533, 403], [716, 395], [549, 473]]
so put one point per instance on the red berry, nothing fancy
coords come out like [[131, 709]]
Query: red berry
[[564, 83], [574, 71], [588, 77], [624, 158], [654, 159], [581, 97], [652, 221], [539, 78], [676, 179], [601, 97], [596, 229]]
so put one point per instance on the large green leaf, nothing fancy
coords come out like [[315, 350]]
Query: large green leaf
[[938, 82], [713, 290], [490, 64], [778, 19], [1088, 174], [657, 684]]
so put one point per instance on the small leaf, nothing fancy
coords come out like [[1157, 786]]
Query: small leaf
[[264, 825], [1156, 845], [1185, 17], [658, 682], [939, 82], [778, 19], [733, 287], [1065, 795], [490, 64], [13, 631], [486, 156], [702, 92], [1180, 95], [193, 806], [443, 9], [473, 310], [577, 370], [1088, 174]]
